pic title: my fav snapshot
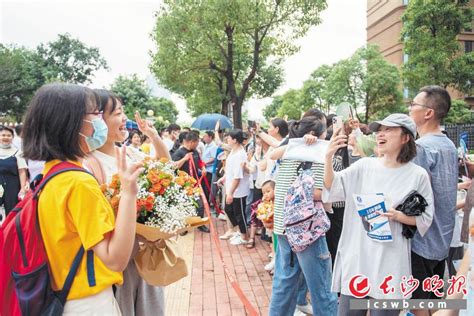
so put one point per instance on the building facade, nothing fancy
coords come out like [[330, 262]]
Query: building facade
[[384, 26]]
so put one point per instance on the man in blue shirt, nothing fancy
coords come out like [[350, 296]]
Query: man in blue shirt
[[208, 157], [438, 155]]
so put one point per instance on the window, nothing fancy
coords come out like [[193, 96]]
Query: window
[[468, 46], [406, 93], [405, 58], [405, 2]]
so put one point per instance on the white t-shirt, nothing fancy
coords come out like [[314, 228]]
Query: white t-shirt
[[359, 254], [234, 170], [168, 142]]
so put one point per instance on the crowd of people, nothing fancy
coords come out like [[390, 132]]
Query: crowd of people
[[239, 172]]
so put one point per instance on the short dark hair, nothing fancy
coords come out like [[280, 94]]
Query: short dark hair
[[210, 134], [133, 133], [438, 99], [173, 127], [54, 120], [313, 121], [282, 126], [6, 128], [408, 151], [269, 182], [104, 97], [191, 137], [237, 134], [19, 129]]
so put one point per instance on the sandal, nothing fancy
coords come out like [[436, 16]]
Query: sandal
[[250, 244]]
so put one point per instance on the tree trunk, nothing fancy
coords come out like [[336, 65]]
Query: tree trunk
[[237, 113]]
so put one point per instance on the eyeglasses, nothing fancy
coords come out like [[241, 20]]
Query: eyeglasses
[[99, 113], [412, 104]]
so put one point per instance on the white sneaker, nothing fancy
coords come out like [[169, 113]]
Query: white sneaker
[[238, 241], [306, 309], [228, 235], [222, 217], [270, 266]]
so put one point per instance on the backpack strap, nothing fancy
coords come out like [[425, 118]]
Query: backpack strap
[[70, 276], [58, 169]]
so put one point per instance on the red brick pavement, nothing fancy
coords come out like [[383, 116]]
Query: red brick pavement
[[211, 292]]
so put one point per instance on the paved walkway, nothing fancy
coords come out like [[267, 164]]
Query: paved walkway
[[206, 291]]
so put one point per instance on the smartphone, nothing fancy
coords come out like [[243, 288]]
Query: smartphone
[[338, 123]]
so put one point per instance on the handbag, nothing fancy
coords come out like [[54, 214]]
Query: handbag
[[159, 263]]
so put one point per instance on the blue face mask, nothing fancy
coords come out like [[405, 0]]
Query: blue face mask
[[99, 137]]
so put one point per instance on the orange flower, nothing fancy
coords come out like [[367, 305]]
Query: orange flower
[[115, 184], [149, 202], [103, 187], [114, 202], [156, 188], [153, 177]]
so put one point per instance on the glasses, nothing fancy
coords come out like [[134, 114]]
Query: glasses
[[99, 113], [412, 104]]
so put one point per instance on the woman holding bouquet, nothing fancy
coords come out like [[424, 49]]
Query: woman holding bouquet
[[135, 296], [63, 123], [396, 177]]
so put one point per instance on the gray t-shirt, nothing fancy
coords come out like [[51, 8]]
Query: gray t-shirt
[[357, 253], [438, 155]]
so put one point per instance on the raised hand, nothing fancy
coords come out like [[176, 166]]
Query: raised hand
[[128, 174], [337, 141], [146, 127]]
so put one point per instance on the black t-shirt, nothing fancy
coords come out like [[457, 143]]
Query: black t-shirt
[[180, 153]]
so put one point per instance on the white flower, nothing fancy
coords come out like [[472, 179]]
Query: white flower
[[1, 191]]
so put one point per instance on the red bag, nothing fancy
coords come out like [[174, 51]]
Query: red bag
[[25, 285]]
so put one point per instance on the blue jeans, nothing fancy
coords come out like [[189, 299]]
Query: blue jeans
[[315, 264], [302, 290]]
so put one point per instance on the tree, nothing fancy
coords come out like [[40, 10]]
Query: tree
[[459, 113], [136, 96], [435, 56], [366, 81], [24, 70], [271, 110], [69, 60], [222, 52]]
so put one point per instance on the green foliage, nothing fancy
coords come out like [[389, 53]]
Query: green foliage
[[23, 70], [429, 36], [459, 113], [136, 96], [271, 110], [216, 53], [365, 80]]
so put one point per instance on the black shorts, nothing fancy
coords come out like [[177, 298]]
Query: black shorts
[[423, 268]]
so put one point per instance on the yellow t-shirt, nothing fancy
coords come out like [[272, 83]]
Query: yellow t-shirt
[[72, 212], [145, 148]]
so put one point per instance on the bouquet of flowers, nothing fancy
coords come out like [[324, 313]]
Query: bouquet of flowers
[[265, 211], [166, 199]]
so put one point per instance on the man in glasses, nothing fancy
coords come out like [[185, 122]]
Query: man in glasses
[[438, 155]]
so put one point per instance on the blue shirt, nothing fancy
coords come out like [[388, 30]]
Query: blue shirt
[[209, 153], [216, 160], [438, 155]]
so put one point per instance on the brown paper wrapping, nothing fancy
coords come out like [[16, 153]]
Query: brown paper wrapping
[[160, 263]]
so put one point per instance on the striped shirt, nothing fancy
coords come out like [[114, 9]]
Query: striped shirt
[[338, 166], [285, 178]]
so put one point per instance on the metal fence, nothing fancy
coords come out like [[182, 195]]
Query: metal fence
[[454, 131]]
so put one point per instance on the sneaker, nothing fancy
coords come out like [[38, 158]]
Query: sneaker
[[238, 241], [227, 235], [305, 309], [270, 265], [222, 217]]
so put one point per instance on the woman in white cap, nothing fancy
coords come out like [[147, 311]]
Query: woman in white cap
[[382, 257]]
